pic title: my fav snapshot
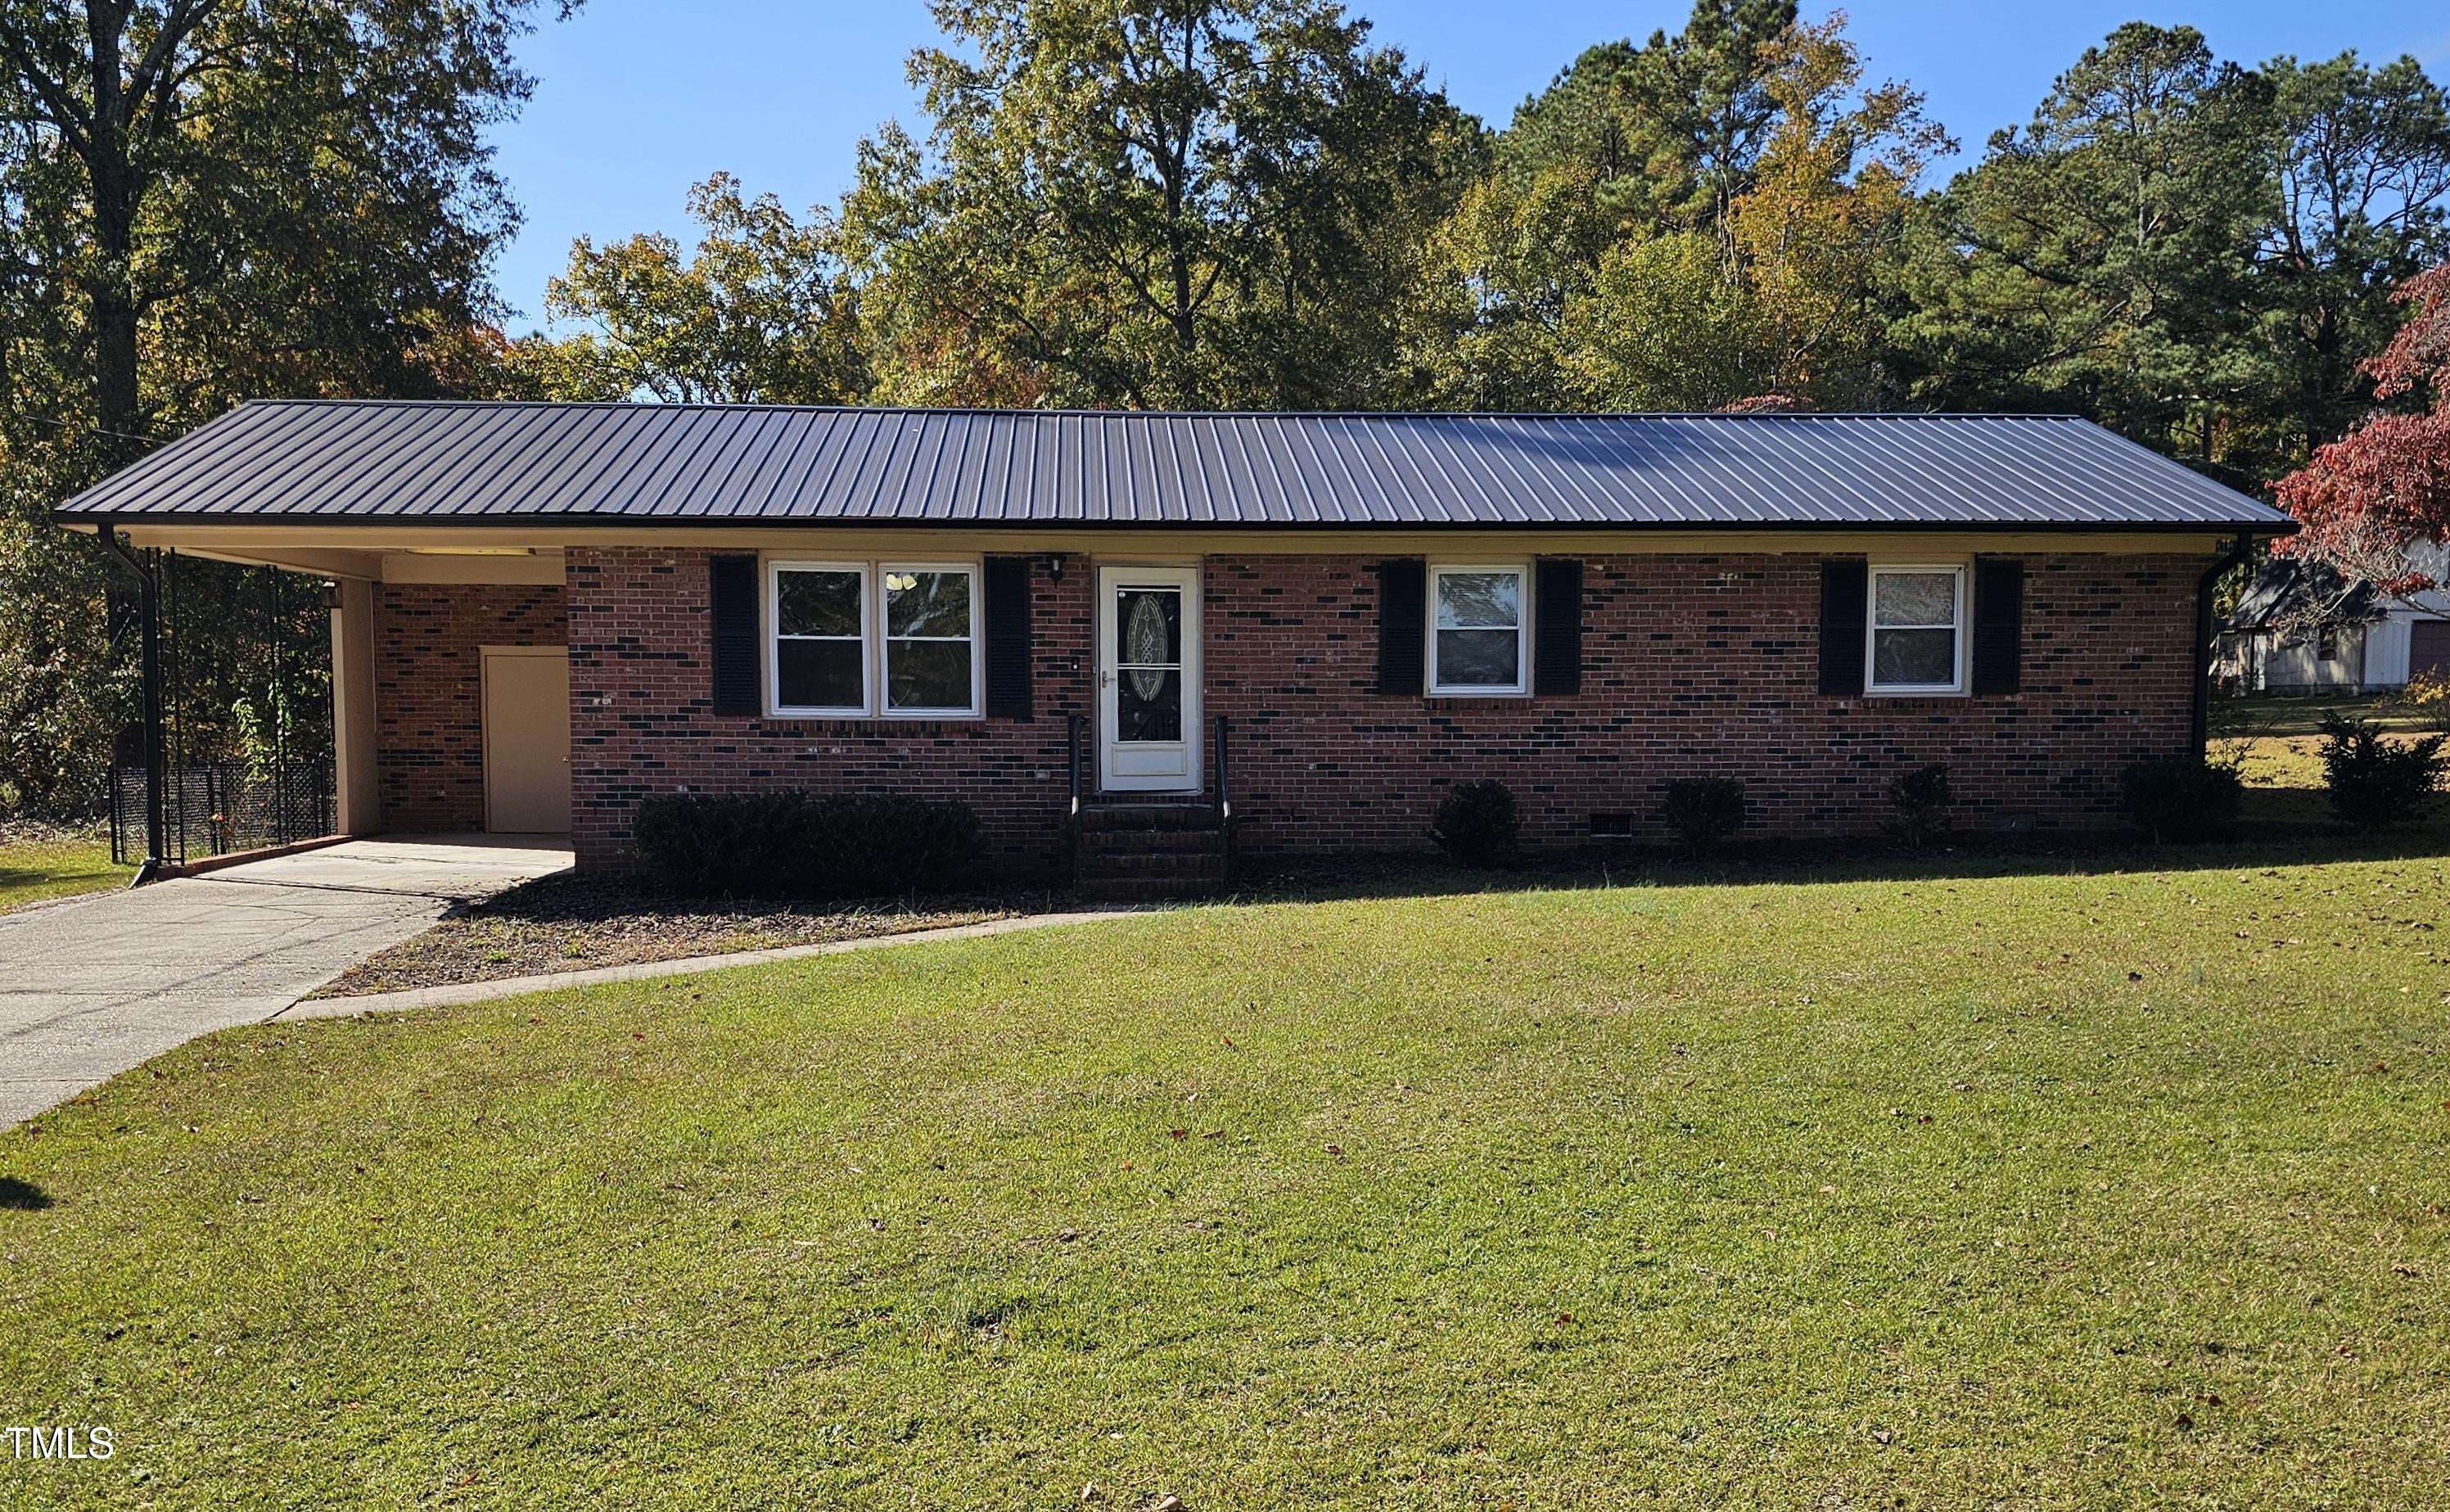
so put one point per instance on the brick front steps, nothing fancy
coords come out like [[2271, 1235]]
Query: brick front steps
[[1144, 852]]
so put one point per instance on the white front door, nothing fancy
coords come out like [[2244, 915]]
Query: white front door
[[1148, 679]]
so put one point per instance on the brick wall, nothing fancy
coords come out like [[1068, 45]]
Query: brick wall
[[1692, 665], [429, 692], [642, 721]]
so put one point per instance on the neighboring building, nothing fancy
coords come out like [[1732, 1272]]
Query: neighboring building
[[547, 612], [2300, 628]]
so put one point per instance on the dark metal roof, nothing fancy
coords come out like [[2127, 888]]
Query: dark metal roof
[[2298, 587], [446, 462]]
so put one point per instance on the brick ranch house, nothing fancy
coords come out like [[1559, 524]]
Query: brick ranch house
[[544, 613]]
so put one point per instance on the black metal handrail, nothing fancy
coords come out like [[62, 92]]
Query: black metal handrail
[[1072, 762], [1224, 802], [1074, 725]]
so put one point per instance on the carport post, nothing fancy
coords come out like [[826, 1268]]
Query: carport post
[[149, 601], [357, 796]]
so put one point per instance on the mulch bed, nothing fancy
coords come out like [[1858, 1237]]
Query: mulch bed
[[574, 922]]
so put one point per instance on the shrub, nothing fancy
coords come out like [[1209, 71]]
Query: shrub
[[709, 843], [791, 845], [861, 844], [2182, 799], [1921, 799], [1477, 824], [1703, 811], [2428, 697], [2375, 782]]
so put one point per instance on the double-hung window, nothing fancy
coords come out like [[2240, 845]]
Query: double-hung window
[[855, 639], [820, 617], [1917, 630], [1477, 646], [930, 648]]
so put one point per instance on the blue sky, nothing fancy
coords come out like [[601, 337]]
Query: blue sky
[[638, 99]]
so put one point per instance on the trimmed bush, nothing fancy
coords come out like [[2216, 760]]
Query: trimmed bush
[[2182, 799], [2373, 782], [791, 845], [1477, 824], [708, 845], [1703, 812], [863, 844], [1921, 799]]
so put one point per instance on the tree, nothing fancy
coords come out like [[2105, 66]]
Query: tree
[[312, 175], [1160, 202], [2099, 260], [2363, 170], [1824, 217], [2196, 255], [1673, 129], [1554, 286], [202, 200], [2364, 499], [1486, 322], [764, 314], [1663, 327]]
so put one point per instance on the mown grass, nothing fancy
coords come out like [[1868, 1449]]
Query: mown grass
[[2278, 744], [1992, 1182], [35, 868]]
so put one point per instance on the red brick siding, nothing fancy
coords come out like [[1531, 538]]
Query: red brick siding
[[1692, 665], [429, 692], [643, 716]]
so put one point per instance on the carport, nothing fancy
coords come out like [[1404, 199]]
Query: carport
[[449, 695]]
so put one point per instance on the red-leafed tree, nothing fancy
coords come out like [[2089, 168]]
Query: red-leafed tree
[[2364, 499]]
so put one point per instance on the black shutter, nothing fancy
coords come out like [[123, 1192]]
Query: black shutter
[[1844, 585], [1007, 628], [1403, 623], [1998, 624], [1557, 638], [732, 599]]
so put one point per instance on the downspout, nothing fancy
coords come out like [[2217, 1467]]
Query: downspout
[[2206, 647], [148, 599]]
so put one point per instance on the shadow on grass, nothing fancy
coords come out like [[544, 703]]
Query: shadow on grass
[[2281, 829], [28, 877], [22, 1196], [2262, 715]]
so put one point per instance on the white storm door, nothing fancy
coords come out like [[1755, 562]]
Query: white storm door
[[1148, 679]]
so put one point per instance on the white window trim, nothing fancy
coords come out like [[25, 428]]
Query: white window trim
[[1522, 686], [773, 638], [884, 695], [874, 700], [1955, 687]]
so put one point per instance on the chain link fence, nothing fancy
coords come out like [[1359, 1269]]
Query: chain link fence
[[213, 810]]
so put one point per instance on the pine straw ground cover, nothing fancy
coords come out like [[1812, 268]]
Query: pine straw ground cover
[[1959, 1182], [572, 922]]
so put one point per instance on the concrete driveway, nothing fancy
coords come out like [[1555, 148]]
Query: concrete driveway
[[94, 986]]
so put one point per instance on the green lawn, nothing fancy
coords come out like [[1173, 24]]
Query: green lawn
[[2001, 1183], [55, 865], [2278, 743]]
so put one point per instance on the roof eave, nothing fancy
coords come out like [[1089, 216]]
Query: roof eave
[[159, 519]]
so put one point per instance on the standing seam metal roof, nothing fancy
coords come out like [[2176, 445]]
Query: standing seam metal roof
[[444, 461]]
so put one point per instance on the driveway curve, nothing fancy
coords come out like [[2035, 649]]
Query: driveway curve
[[91, 986]]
